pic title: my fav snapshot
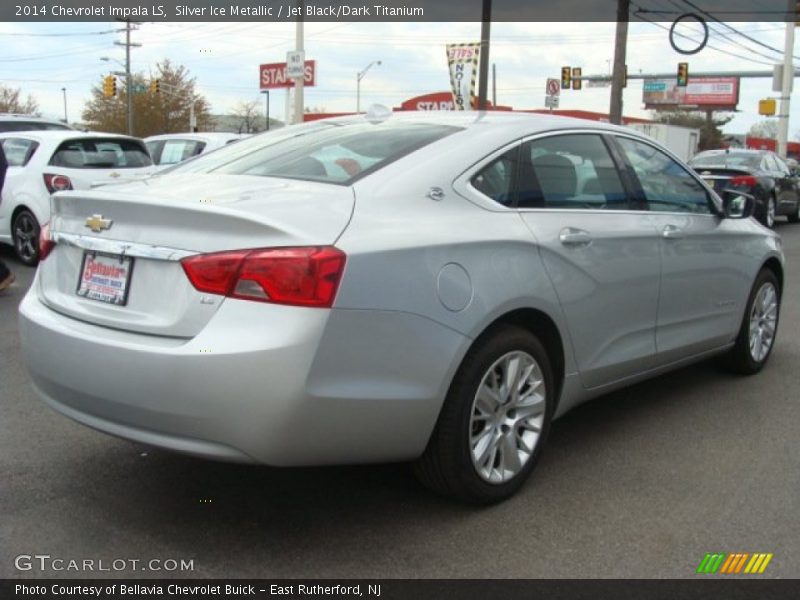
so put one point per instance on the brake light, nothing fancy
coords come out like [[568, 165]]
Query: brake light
[[46, 243], [57, 183], [744, 181], [303, 276]]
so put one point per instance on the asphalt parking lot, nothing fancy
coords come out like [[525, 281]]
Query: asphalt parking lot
[[638, 484]]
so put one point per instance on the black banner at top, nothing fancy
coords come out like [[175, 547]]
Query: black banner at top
[[389, 10]]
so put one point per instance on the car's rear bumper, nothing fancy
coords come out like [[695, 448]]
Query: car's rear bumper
[[261, 383]]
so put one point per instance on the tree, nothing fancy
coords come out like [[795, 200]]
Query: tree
[[10, 101], [249, 115], [708, 123], [765, 129], [167, 111]]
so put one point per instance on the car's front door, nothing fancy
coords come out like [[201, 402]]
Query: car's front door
[[600, 252], [706, 267]]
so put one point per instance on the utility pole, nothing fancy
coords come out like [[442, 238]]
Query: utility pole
[[483, 71], [618, 76], [300, 82], [66, 117], [786, 83], [128, 79]]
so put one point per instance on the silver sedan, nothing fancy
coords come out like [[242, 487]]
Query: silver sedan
[[434, 288]]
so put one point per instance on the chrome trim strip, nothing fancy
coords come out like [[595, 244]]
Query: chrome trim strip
[[85, 242]]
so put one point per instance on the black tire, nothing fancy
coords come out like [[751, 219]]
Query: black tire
[[25, 233], [765, 214], [447, 466], [740, 359], [794, 217]]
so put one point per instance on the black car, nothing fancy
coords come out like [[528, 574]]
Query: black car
[[760, 173]]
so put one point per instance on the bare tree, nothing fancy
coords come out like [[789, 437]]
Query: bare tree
[[249, 115], [11, 101], [765, 129]]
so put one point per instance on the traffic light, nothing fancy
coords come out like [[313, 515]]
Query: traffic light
[[683, 74], [155, 86], [577, 82], [109, 86], [566, 77]]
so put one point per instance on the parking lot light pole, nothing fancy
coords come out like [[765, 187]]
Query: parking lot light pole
[[359, 77], [267, 103], [66, 118]]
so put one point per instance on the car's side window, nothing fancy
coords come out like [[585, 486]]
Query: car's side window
[[175, 151], [497, 179], [569, 171], [667, 186], [19, 151]]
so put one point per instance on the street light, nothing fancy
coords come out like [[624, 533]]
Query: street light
[[267, 93], [66, 118], [359, 77]]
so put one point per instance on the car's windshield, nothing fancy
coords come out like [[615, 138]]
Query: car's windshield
[[331, 152], [727, 159]]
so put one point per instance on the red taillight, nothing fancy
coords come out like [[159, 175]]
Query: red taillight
[[744, 181], [305, 276], [57, 183], [46, 243]]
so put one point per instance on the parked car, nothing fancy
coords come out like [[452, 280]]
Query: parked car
[[18, 122], [43, 162], [441, 299], [171, 148], [758, 172]]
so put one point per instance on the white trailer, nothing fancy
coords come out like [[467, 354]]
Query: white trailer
[[682, 141]]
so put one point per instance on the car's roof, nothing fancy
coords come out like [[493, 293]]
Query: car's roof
[[497, 119], [57, 135], [723, 151], [23, 117], [205, 135]]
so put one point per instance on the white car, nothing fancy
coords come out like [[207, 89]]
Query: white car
[[43, 162], [171, 148]]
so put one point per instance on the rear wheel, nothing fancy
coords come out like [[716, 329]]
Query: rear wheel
[[759, 327], [494, 420], [25, 233]]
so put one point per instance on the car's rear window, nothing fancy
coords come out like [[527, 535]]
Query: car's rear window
[[101, 153], [21, 125], [331, 152], [729, 159]]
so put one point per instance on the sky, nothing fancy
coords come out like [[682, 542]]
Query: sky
[[43, 58]]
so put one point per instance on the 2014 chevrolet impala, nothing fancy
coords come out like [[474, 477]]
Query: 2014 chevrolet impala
[[425, 287]]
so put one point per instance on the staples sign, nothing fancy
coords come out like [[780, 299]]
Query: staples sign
[[273, 75]]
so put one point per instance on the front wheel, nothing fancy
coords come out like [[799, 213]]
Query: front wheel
[[759, 327], [494, 420], [768, 218], [25, 233]]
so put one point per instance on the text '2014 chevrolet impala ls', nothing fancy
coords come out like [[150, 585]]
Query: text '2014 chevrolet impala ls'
[[424, 287]]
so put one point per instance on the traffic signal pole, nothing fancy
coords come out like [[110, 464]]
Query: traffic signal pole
[[128, 79], [786, 83], [618, 75]]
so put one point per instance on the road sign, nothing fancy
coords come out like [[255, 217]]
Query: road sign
[[295, 64], [551, 101], [273, 75], [553, 87]]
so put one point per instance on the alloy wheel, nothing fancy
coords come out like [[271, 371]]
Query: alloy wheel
[[763, 321], [770, 213], [26, 237], [507, 417]]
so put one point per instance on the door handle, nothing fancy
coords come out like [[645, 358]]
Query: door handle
[[574, 237], [672, 232]]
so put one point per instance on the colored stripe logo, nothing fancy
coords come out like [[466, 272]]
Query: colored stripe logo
[[735, 563]]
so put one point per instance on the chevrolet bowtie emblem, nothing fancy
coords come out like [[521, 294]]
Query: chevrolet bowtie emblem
[[97, 223], [114, 175]]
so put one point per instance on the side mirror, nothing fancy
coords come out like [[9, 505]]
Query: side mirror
[[737, 204]]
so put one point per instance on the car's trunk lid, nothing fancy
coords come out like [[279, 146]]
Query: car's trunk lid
[[155, 223]]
